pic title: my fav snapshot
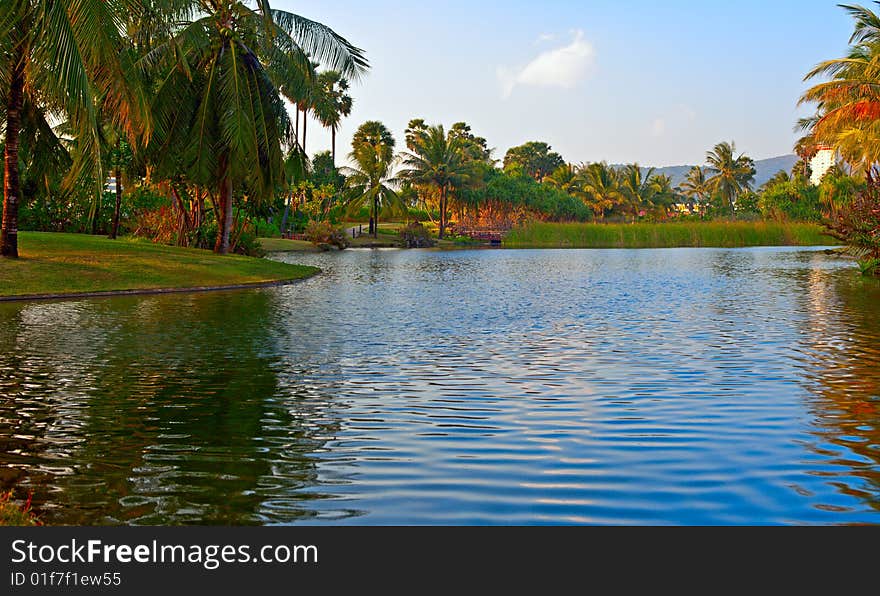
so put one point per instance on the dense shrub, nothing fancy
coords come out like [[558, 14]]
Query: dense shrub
[[858, 225], [794, 200], [415, 235], [323, 235]]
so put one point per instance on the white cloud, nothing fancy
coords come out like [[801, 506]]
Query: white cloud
[[658, 128], [563, 67], [545, 37]]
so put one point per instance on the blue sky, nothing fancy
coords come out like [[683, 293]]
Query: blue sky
[[653, 82]]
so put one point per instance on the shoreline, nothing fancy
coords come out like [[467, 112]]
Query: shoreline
[[153, 291]]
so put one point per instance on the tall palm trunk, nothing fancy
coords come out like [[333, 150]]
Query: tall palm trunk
[[114, 231], [224, 223], [333, 144], [442, 233], [305, 126], [376, 217], [12, 185]]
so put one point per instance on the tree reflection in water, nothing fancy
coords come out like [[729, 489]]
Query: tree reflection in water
[[109, 416], [842, 364]]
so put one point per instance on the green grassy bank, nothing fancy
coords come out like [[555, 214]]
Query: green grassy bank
[[667, 235], [75, 263]]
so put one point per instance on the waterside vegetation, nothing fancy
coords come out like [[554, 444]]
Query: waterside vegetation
[[668, 235]]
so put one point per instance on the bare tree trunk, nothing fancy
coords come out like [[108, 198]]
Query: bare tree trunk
[[114, 230], [199, 209], [224, 223], [297, 123], [12, 184], [376, 218], [333, 144], [442, 233], [305, 128]]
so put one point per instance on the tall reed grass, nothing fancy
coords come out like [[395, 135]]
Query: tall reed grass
[[667, 235]]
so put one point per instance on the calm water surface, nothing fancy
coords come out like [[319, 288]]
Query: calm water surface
[[475, 387]]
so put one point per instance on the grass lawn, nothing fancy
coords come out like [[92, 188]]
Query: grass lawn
[[283, 245], [77, 263], [667, 235]]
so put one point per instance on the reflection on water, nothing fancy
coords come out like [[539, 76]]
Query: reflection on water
[[474, 387]]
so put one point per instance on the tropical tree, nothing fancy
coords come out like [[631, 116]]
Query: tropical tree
[[600, 184], [370, 182], [663, 195], [535, 159], [848, 103], [696, 187], [731, 174], [779, 177], [565, 178], [638, 187], [59, 59], [332, 103], [436, 160], [219, 109]]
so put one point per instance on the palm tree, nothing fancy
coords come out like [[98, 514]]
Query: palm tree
[[369, 183], [67, 56], [731, 173], [307, 97], [695, 187], [663, 195], [333, 103], [564, 178], [780, 177], [601, 188], [436, 160], [848, 104], [638, 188], [219, 111]]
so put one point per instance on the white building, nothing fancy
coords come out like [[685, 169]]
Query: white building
[[824, 160]]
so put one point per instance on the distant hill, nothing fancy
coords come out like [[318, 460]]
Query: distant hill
[[766, 169]]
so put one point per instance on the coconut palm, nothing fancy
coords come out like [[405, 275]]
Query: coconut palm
[[731, 173], [600, 185], [565, 178], [696, 187], [848, 104], [219, 108], [370, 182], [58, 60], [436, 160], [780, 177], [638, 187], [333, 104]]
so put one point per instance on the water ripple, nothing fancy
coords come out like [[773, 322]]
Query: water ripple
[[474, 387]]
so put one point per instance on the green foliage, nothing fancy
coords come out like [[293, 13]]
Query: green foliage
[[534, 159], [794, 200], [324, 173], [748, 205], [730, 174], [267, 229], [511, 192], [369, 184], [869, 267]]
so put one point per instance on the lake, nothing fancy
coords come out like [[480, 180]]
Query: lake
[[692, 386]]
